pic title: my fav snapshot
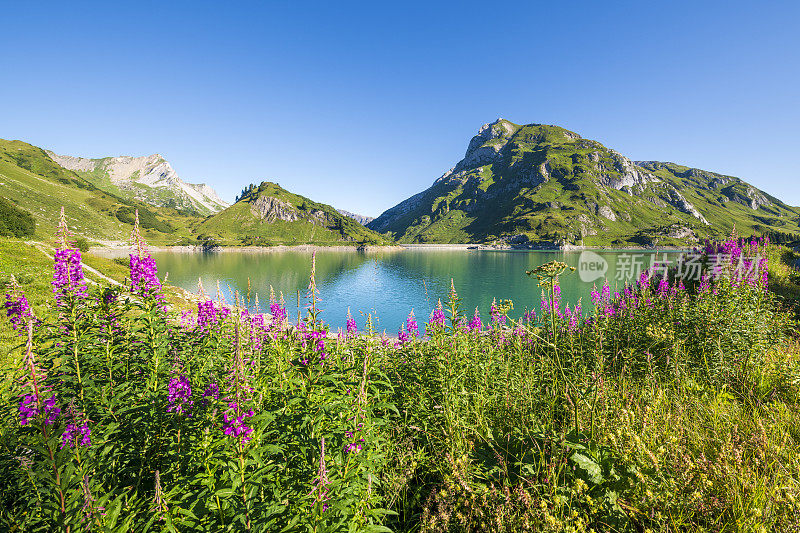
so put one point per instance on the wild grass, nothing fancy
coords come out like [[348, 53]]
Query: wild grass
[[666, 408]]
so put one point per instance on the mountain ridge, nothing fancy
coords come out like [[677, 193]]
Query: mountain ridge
[[544, 183], [32, 181], [150, 179], [361, 219]]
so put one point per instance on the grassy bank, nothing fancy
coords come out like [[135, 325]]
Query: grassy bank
[[665, 408]]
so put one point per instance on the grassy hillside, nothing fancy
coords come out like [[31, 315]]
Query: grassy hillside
[[544, 183], [725, 200], [269, 215], [32, 181]]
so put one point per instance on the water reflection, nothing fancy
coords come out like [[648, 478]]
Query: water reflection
[[386, 284]]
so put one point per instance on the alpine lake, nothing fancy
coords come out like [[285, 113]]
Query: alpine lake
[[389, 284]]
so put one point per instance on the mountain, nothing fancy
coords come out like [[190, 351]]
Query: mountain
[[544, 184], [361, 219], [149, 179], [32, 182], [269, 215]]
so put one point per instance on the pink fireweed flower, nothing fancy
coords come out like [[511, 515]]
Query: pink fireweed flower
[[411, 325], [402, 337], [595, 296], [475, 324], [437, 318], [606, 291], [763, 270], [234, 424], [239, 395], [278, 312], [317, 339], [68, 280], [663, 287], [352, 447], [77, 432], [144, 278], [497, 317], [208, 315], [212, 391], [644, 279], [179, 395], [29, 410], [188, 322], [705, 283], [17, 310], [575, 318], [352, 329]]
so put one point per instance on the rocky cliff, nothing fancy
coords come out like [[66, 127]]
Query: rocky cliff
[[150, 179], [269, 214]]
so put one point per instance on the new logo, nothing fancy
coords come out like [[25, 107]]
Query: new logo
[[591, 266]]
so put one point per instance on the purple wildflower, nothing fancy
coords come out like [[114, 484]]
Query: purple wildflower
[[68, 277], [663, 287], [402, 337], [644, 279], [497, 316], [437, 317], [208, 315], [318, 343], [278, 312], [212, 391], [77, 432], [179, 395], [234, 422], [144, 278], [475, 324], [352, 329], [17, 310], [29, 409], [411, 325], [705, 283]]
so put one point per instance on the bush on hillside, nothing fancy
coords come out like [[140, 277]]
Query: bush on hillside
[[147, 219], [15, 222]]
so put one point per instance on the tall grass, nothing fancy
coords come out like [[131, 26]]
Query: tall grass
[[666, 408]]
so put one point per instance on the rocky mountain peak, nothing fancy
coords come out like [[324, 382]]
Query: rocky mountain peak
[[150, 179], [548, 183]]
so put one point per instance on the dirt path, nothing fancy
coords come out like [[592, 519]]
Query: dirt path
[[49, 252]]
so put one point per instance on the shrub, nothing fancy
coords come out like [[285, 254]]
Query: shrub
[[15, 222], [147, 219]]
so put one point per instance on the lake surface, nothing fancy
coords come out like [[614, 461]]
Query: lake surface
[[389, 284]]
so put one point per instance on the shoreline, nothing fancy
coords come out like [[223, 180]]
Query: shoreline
[[118, 250]]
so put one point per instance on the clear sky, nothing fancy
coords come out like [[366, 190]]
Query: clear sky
[[361, 105]]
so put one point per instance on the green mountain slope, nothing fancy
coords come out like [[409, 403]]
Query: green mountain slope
[[149, 179], [32, 181], [269, 215], [545, 184]]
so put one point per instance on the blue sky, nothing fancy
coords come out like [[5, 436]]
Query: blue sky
[[361, 105]]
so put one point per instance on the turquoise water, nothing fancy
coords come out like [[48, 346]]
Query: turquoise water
[[388, 284]]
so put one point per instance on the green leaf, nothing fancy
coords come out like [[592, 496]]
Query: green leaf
[[588, 465]]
